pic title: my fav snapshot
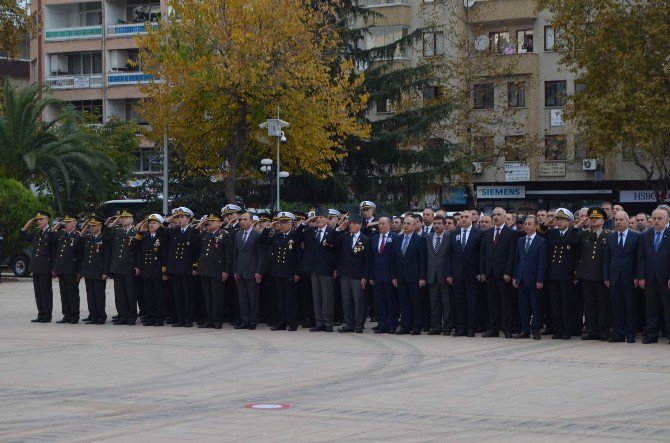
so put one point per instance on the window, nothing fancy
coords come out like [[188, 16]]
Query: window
[[131, 112], [141, 11], [379, 37], [514, 148], [549, 38], [90, 14], [516, 94], [524, 41], [431, 92], [383, 105], [484, 148], [33, 71], [433, 44], [580, 148], [554, 93], [93, 107], [147, 161], [500, 43], [484, 95], [554, 148], [580, 87]]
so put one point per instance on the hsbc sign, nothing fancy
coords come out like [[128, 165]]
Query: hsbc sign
[[638, 197]]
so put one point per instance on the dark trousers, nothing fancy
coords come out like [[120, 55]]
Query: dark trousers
[[305, 302], [530, 302], [465, 296], [562, 296], [139, 294], [440, 306], [353, 302], [154, 299], [386, 306], [69, 295], [95, 298], [499, 297], [182, 285], [597, 308], [212, 291], [577, 320], [231, 306], [426, 314], [199, 309], [323, 299], [267, 303], [286, 294], [338, 309], [624, 309], [411, 316], [247, 294], [44, 296], [124, 294], [170, 306], [657, 298]]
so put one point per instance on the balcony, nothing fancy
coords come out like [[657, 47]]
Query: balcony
[[389, 13], [74, 82], [128, 78], [75, 33], [489, 11], [128, 30]]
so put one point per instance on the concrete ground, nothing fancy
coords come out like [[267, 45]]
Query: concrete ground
[[121, 383]]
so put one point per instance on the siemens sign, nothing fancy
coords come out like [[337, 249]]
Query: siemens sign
[[503, 192]]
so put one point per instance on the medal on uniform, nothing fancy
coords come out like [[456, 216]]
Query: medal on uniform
[[290, 244]]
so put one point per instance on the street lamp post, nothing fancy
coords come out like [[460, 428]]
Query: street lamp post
[[268, 170], [274, 127]]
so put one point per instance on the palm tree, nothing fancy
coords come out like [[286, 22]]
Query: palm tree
[[55, 155]]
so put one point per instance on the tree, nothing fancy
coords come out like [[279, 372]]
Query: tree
[[51, 156], [19, 205], [620, 53], [225, 66], [13, 25]]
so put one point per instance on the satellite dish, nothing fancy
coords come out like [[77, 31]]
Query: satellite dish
[[469, 3], [482, 43]]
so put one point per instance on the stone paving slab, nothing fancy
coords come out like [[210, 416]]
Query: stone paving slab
[[79, 383]]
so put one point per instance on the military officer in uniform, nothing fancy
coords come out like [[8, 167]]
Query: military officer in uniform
[[214, 267], [180, 263], [151, 267], [67, 261], [121, 237], [95, 268], [561, 244], [41, 263], [230, 213], [370, 222], [284, 269], [597, 305]]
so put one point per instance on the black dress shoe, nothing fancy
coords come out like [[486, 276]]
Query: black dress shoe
[[489, 334], [204, 326], [508, 335], [235, 323], [328, 329], [590, 337], [445, 332], [46, 320], [415, 332], [241, 326], [630, 339], [649, 340], [616, 340], [63, 320], [148, 323], [537, 336], [115, 317], [292, 328], [91, 322], [217, 325], [359, 330], [401, 331], [132, 322], [188, 325], [177, 325], [345, 329], [426, 328], [380, 331], [556, 337], [278, 328], [36, 320], [120, 322], [159, 323], [523, 335], [566, 337], [317, 328], [471, 333], [459, 334], [434, 332], [74, 321]]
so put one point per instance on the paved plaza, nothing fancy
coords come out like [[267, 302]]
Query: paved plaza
[[133, 383]]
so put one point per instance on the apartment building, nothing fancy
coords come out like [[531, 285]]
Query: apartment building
[[85, 53], [17, 68], [530, 93]]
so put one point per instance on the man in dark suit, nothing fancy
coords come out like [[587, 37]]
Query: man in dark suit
[[248, 261], [353, 268], [620, 270], [530, 265], [95, 268], [463, 273], [41, 263], [120, 235], [496, 264], [180, 264], [381, 276], [441, 317], [409, 275], [151, 266], [67, 262], [654, 274]]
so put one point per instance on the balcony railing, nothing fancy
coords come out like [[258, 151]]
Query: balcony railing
[[75, 81], [78, 33], [127, 30], [128, 78]]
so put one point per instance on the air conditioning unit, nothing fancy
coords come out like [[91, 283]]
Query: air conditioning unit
[[589, 164], [118, 60], [477, 168]]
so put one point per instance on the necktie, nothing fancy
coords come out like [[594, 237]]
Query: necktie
[[382, 244], [495, 239], [528, 241], [318, 235], [405, 243], [244, 238], [464, 238], [657, 241], [438, 243], [621, 240], [352, 241]]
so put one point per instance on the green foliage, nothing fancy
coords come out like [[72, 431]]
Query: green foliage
[[13, 25], [19, 205]]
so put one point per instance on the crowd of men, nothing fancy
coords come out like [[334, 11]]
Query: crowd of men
[[598, 274]]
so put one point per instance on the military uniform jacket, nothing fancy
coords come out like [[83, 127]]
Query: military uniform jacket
[[67, 260], [562, 254], [43, 250], [182, 251], [95, 256], [150, 256], [123, 246], [354, 260], [591, 255], [285, 252], [216, 254], [372, 230]]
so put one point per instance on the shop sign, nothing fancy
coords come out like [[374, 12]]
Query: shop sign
[[517, 172], [551, 169], [503, 192]]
